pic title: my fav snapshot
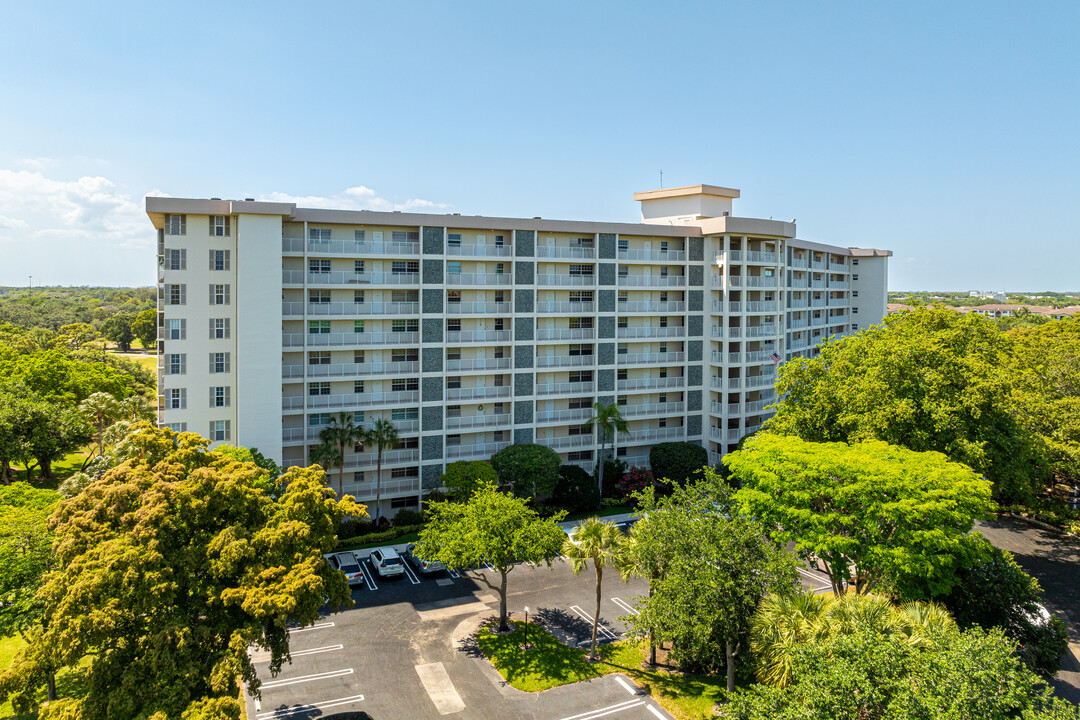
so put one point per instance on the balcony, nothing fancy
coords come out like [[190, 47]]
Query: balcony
[[466, 422], [755, 331], [478, 364], [484, 279], [651, 383], [348, 339], [718, 332], [568, 441], [562, 251], [350, 400], [665, 408], [756, 406], [389, 457], [651, 332], [565, 333], [797, 324], [838, 284], [657, 434], [477, 250], [484, 308], [730, 435], [664, 256], [365, 308], [731, 383], [565, 388], [762, 281], [757, 357], [657, 358], [763, 306], [474, 451], [349, 369], [576, 415], [471, 393], [817, 265], [837, 267], [577, 308], [552, 279], [546, 361], [349, 247], [389, 488], [651, 280], [343, 277], [463, 336], [636, 306], [756, 381], [720, 357], [756, 256]]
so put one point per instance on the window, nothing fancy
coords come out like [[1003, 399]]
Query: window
[[579, 430], [624, 270], [580, 455], [500, 352], [404, 296], [405, 472], [453, 296], [358, 326], [623, 297], [219, 328], [219, 430], [623, 349], [453, 325], [405, 355], [358, 386], [219, 226], [500, 296], [662, 422], [176, 364], [318, 266], [579, 403], [663, 272], [580, 350], [176, 294], [499, 324], [624, 244], [662, 398], [623, 322], [453, 353], [854, 326], [500, 240], [500, 380], [219, 294], [663, 348], [358, 477], [663, 322], [321, 297], [453, 411], [400, 267], [855, 276], [621, 374], [500, 268], [453, 267], [663, 372], [854, 311], [358, 296], [400, 384], [663, 246], [318, 358], [176, 427], [854, 261], [403, 502], [358, 357], [219, 396], [581, 376], [581, 270], [358, 236], [405, 236], [319, 234], [453, 382], [318, 327], [407, 325], [176, 399], [623, 451], [318, 388], [219, 259], [219, 363], [854, 293], [621, 400], [176, 224], [581, 323], [177, 329], [177, 260], [453, 239], [581, 296], [358, 267], [404, 414]]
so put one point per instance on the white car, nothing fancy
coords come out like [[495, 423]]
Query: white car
[[347, 563], [424, 566], [387, 562]]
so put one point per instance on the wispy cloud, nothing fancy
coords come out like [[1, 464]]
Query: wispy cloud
[[88, 209], [356, 198]]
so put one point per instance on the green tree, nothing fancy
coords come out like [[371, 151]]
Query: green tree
[[576, 490], [340, 433], [602, 543], [382, 434], [677, 462], [931, 379], [169, 570], [76, 335], [100, 409], [144, 327], [646, 553], [56, 376], [527, 469], [117, 329], [56, 430], [608, 421], [463, 477], [490, 527], [868, 510]]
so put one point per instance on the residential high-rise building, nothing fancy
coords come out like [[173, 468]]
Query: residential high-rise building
[[471, 333]]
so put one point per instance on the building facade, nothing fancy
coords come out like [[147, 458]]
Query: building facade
[[472, 333]]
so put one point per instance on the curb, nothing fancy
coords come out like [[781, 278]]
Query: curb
[[1039, 524]]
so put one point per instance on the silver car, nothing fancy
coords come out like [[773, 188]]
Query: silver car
[[347, 563], [424, 566], [387, 562]]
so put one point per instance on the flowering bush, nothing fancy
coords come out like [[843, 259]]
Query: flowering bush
[[636, 478]]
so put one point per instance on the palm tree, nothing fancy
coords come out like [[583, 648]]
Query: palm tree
[[608, 421], [782, 624], [921, 623], [601, 542], [341, 432], [100, 409], [382, 434]]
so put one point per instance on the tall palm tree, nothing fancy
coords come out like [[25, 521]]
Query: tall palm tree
[[340, 433], [608, 421], [601, 542], [782, 624], [100, 409], [382, 434]]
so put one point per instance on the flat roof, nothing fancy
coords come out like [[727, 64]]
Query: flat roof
[[687, 190]]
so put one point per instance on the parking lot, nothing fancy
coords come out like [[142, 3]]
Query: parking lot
[[407, 650]]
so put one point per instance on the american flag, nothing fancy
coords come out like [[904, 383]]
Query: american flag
[[775, 358]]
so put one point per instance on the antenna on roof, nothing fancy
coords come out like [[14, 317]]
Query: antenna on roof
[[661, 179]]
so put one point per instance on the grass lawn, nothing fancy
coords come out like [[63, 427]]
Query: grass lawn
[[355, 544], [62, 469], [549, 664], [69, 683], [603, 512]]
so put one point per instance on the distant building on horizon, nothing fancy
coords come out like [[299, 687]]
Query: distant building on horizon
[[471, 333]]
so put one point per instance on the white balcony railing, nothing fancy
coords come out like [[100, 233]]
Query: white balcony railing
[[564, 415], [550, 279], [651, 332], [466, 422], [632, 280], [344, 277], [665, 408], [636, 306], [478, 364], [389, 488], [655, 434], [565, 388], [568, 441], [657, 358], [477, 250], [761, 331], [476, 450], [760, 306], [460, 336], [566, 307], [486, 279], [349, 247], [565, 333], [483, 308], [755, 256], [350, 369], [562, 251], [673, 256], [348, 339], [544, 361], [759, 281], [339, 308], [470, 393], [349, 400], [648, 383]]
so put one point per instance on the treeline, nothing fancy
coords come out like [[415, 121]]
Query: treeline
[[111, 312]]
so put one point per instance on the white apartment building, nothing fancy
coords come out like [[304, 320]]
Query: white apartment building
[[471, 333]]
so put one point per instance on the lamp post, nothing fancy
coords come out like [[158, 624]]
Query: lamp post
[[526, 645]]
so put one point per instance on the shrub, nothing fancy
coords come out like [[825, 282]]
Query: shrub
[[635, 479], [405, 516], [575, 491], [677, 462], [463, 477], [527, 469], [614, 469], [351, 527], [386, 537]]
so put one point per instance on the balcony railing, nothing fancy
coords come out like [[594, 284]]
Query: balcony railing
[[565, 388], [564, 415], [761, 331], [485, 279], [759, 281], [344, 277], [485, 308], [634, 306], [756, 256], [550, 279], [648, 383], [350, 369], [659, 255], [461, 336], [755, 381], [566, 307], [665, 408], [293, 435], [350, 400], [721, 383], [389, 457], [544, 361], [338, 308], [479, 364], [477, 250], [568, 441], [477, 450], [388, 488], [654, 434], [466, 422], [651, 332], [348, 339], [838, 285], [657, 358], [565, 333], [349, 247], [469, 393], [761, 306], [651, 280], [562, 251]]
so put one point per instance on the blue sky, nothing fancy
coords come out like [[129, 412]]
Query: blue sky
[[947, 132]]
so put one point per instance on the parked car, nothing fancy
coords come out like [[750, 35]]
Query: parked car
[[424, 566], [387, 562], [347, 563]]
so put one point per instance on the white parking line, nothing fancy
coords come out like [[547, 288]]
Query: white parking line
[[625, 605], [316, 651], [816, 578], [306, 678], [369, 575], [453, 573], [625, 685], [297, 710], [316, 626], [409, 574], [606, 710], [600, 628], [656, 712]]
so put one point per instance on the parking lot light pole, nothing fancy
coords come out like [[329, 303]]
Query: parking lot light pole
[[526, 645]]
